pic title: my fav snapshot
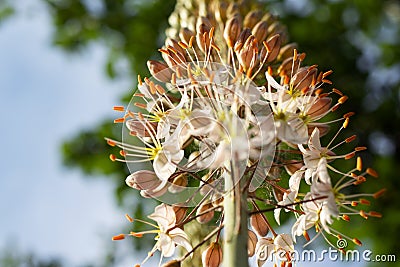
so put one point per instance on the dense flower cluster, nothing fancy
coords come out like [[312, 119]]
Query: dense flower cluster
[[233, 111]]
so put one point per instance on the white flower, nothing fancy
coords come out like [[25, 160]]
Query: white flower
[[290, 197], [168, 234], [313, 155]]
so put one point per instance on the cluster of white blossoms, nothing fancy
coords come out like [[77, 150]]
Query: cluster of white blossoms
[[233, 108]]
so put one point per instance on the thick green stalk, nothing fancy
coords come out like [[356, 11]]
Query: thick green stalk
[[235, 224]]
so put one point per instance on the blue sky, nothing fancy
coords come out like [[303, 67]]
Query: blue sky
[[45, 97]]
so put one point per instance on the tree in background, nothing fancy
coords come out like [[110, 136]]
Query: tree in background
[[358, 39]]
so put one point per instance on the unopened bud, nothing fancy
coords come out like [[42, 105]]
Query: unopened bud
[[159, 70], [207, 216], [252, 18], [185, 34], [287, 51], [259, 225], [212, 256], [273, 44], [232, 31], [180, 213], [242, 39], [251, 244], [260, 31]]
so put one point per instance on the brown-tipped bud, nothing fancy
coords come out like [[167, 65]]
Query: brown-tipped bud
[[273, 45], [251, 244], [287, 51], [379, 193], [292, 166], [232, 31], [260, 31], [285, 69], [180, 213], [175, 45], [118, 237], [303, 78], [258, 222], [243, 36], [212, 256], [141, 128], [346, 217], [232, 10], [252, 18], [363, 214], [372, 172], [185, 34], [173, 263], [320, 107], [205, 217], [323, 129], [247, 53], [357, 242], [179, 184]]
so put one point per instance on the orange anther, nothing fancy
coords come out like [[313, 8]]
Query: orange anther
[[118, 237]]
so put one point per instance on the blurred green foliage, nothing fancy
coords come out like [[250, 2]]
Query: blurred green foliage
[[358, 39]]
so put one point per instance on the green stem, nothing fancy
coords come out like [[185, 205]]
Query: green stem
[[235, 222]]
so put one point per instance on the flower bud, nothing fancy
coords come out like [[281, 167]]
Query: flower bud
[[252, 18], [303, 78], [257, 221], [206, 217], [287, 51], [212, 256], [243, 36], [185, 34], [320, 107], [251, 243], [247, 53], [273, 45], [140, 128], [143, 180], [178, 184], [180, 213], [260, 31], [232, 31]]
